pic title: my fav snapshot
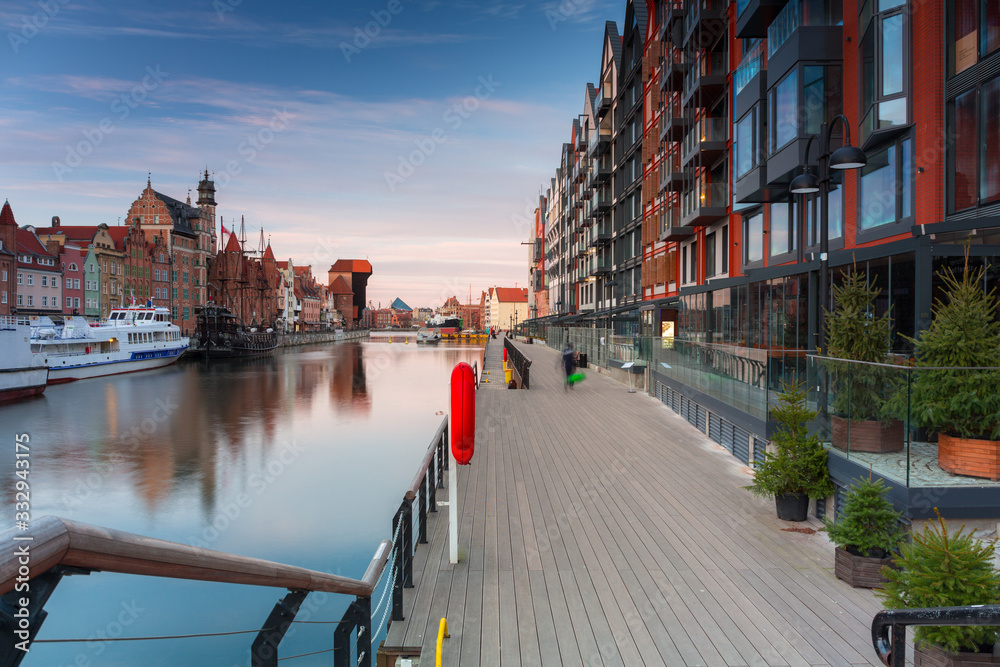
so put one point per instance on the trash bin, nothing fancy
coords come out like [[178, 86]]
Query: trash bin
[[582, 360]]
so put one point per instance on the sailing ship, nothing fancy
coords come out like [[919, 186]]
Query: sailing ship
[[220, 331]]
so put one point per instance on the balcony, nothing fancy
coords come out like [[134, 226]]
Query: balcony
[[705, 15], [673, 122], [600, 144], [707, 140], [601, 234], [601, 203], [753, 16], [704, 203], [670, 225], [603, 102], [705, 79], [672, 70], [602, 169], [671, 173], [600, 267], [805, 13]]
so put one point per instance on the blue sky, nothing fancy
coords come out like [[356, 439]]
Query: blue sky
[[417, 134]]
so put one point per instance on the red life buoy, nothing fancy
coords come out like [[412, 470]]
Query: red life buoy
[[88, 349], [463, 413]]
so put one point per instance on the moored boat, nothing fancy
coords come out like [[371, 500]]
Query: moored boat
[[221, 335], [22, 374], [135, 338], [425, 335]]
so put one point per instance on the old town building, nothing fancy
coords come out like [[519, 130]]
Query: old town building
[[8, 260]]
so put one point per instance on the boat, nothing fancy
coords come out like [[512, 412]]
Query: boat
[[23, 373], [134, 338], [221, 335], [428, 336]]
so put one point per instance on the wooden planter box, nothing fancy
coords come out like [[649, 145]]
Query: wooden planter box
[[859, 571], [932, 656], [866, 436], [976, 458]]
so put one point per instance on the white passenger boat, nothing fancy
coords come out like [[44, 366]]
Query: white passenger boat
[[22, 374], [131, 339]]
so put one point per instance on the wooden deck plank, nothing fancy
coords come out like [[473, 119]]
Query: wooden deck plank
[[599, 528]]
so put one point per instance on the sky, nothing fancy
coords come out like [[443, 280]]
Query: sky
[[415, 133]]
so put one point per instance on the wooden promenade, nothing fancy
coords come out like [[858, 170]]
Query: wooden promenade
[[599, 528]]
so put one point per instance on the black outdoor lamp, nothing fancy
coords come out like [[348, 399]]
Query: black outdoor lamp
[[845, 157]]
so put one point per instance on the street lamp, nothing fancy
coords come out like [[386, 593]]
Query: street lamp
[[845, 157]]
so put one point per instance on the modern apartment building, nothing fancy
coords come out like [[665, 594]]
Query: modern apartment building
[[714, 108]]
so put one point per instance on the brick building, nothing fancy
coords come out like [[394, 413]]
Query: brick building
[[8, 260]]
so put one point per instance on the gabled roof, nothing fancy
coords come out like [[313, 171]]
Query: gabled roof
[[340, 286], [81, 234], [7, 215], [512, 294], [302, 270], [351, 266], [118, 235], [180, 213], [29, 244]]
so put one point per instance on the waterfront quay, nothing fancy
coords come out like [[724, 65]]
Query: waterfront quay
[[598, 527]]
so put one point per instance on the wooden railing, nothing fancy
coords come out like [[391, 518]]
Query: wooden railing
[[60, 547], [57, 547]]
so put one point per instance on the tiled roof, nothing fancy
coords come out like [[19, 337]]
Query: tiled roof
[[28, 243], [233, 244], [118, 235], [180, 213], [268, 253], [512, 294], [7, 215], [340, 286], [81, 234], [351, 266]]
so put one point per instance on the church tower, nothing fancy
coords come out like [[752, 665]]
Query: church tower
[[206, 202]]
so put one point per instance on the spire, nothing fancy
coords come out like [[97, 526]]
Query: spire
[[149, 180]]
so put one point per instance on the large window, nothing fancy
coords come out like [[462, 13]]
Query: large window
[[973, 33], [885, 186], [835, 216], [746, 158], [974, 147], [785, 105], [781, 231], [753, 238], [884, 57]]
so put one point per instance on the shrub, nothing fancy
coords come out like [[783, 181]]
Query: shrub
[[869, 524]]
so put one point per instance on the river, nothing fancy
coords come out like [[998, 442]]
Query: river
[[301, 458]]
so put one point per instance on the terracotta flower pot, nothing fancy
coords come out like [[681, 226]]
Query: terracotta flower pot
[[866, 436], [859, 571], [932, 656], [965, 456]]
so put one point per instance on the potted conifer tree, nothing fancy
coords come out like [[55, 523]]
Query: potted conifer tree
[[867, 533], [862, 416], [941, 569], [796, 469], [958, 395]]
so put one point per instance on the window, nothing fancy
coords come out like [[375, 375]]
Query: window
[[45, 281], [822, 95], [20, 299], [753, 238], [76, 302], [72, 267], [784, 101], [20, 279], [781, 232], [3, 297], [76, 283], [745, 138], [989, 145], [55, 281], [884, 54], [4, 276], [69, 302], [31, 279], [31, 300], [974, 32], [835, 215], [886, 191]]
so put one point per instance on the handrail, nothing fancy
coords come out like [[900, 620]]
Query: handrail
[[411, 492], [59, 541], [893, 622]]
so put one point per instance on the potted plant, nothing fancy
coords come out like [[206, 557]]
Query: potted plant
[[867, 533], [795, 470], [958, 396], [940, 569], [862, 416]]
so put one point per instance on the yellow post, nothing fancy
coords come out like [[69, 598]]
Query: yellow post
[[442, 633]]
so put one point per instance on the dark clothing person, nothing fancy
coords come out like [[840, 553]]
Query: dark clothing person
[[569, 362]]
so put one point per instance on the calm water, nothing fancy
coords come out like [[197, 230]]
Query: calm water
[[302, 459]]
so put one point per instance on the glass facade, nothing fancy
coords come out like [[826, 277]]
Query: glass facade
[[973, 164], [885, 186], [753, 238], [785, 104]]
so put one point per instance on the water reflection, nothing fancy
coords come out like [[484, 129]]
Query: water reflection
[[300, 458]]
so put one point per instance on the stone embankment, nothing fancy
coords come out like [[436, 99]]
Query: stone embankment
[[311, 337]]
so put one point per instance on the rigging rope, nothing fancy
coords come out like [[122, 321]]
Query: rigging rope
[[141, 639]]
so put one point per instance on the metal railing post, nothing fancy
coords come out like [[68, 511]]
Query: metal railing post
[[397, 579], [407, 539], [422, 511], [431, 489], [363, 619]]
